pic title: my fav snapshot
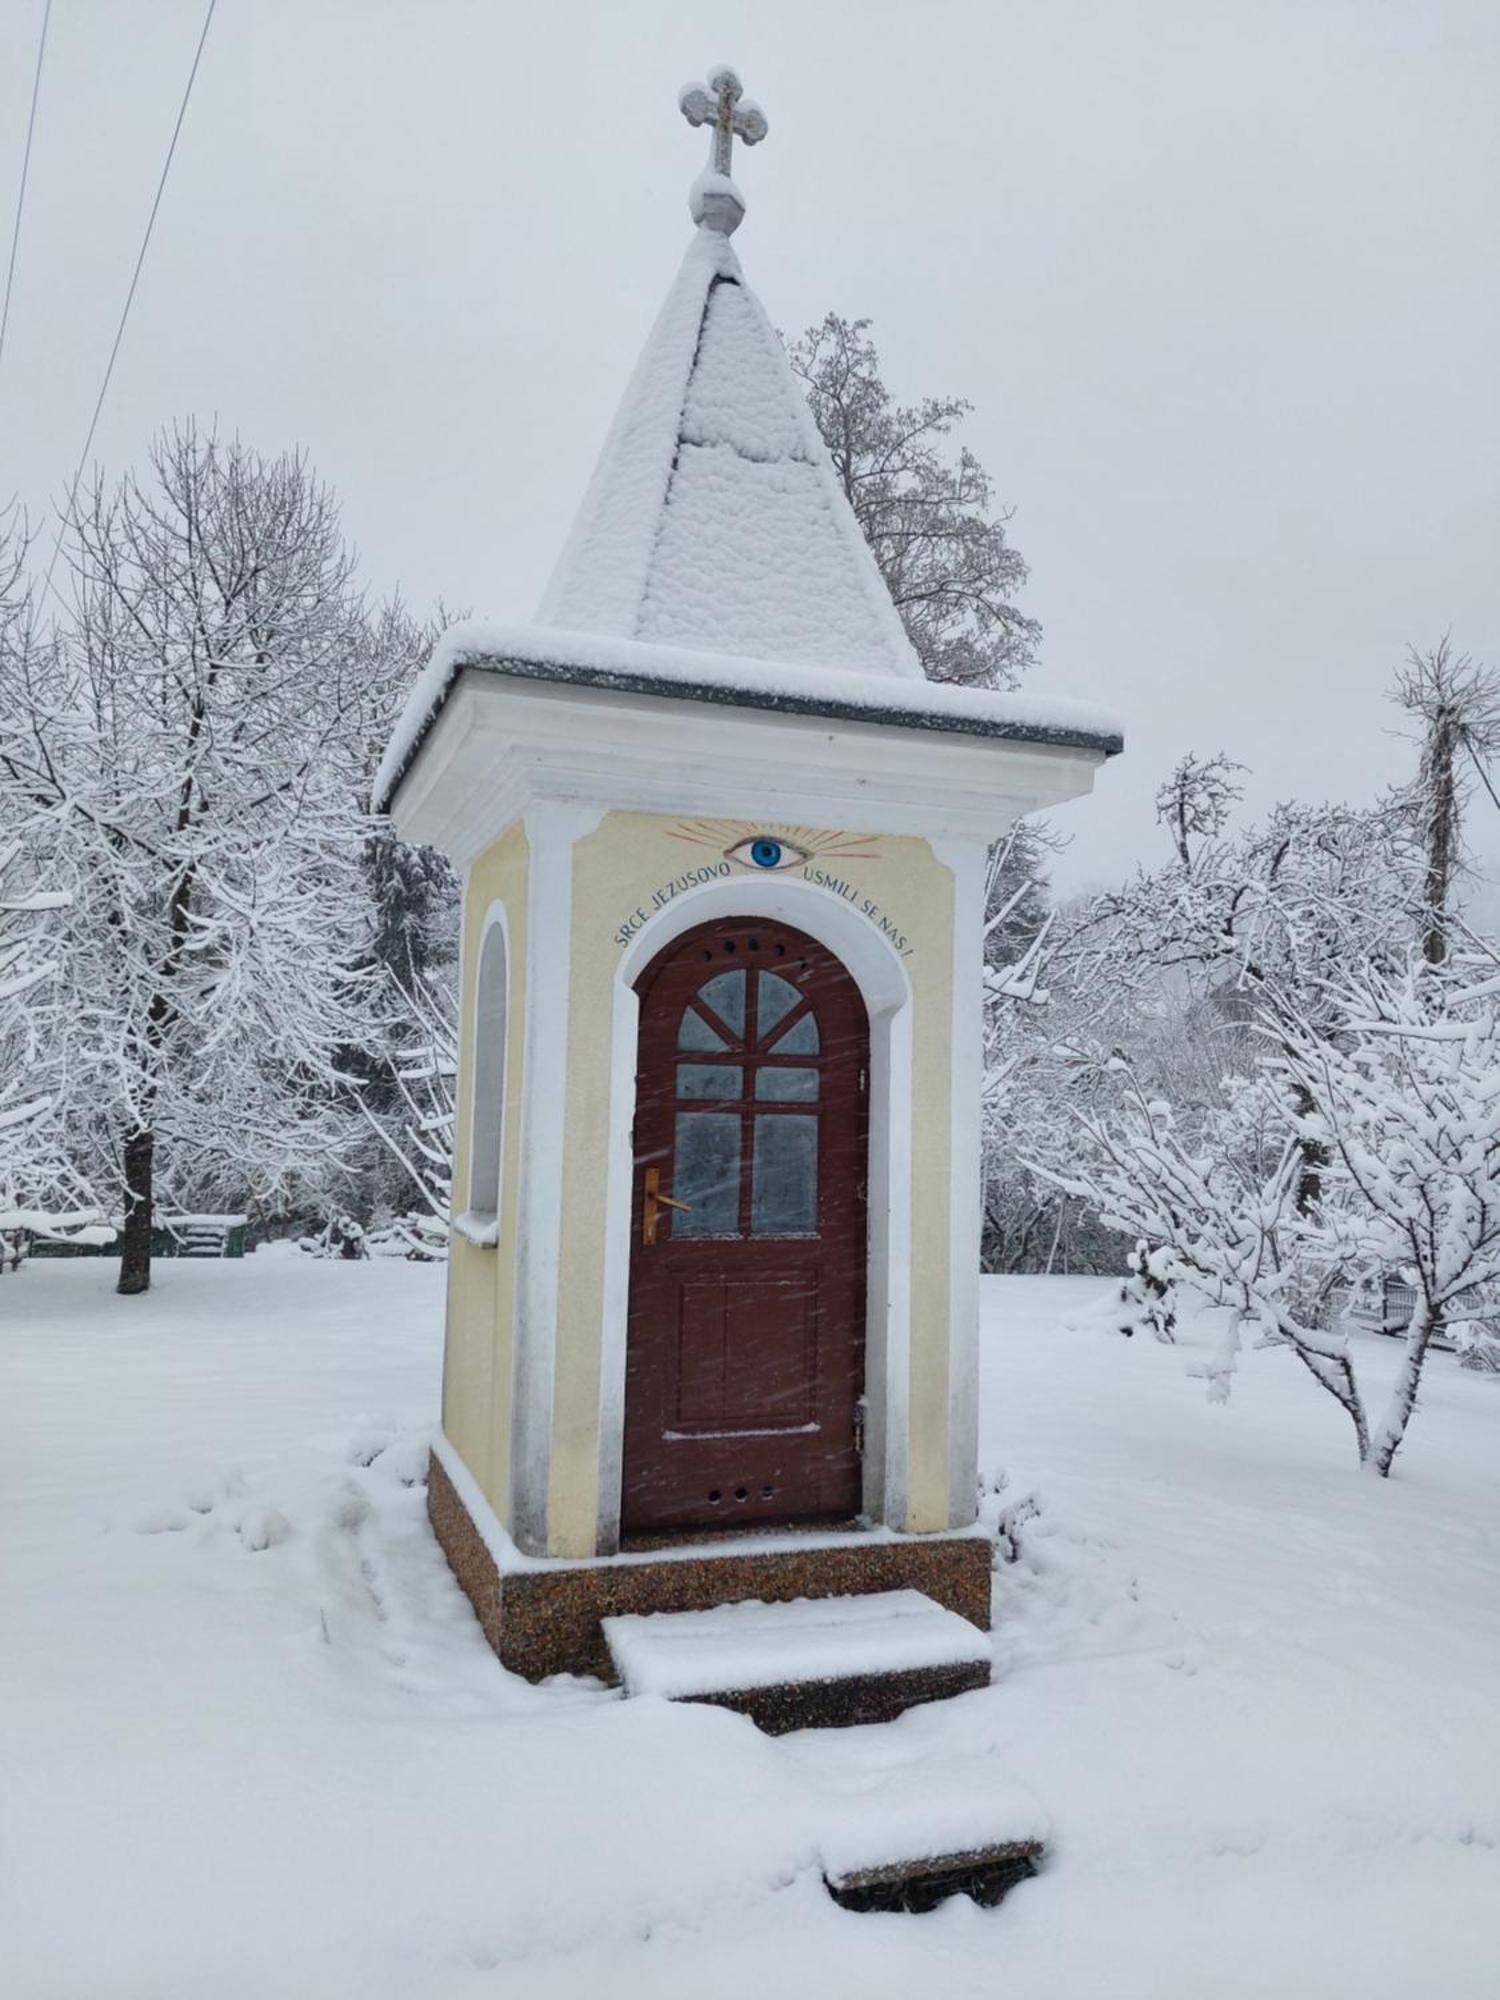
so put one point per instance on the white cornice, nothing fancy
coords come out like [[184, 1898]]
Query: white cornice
[[501, 746]]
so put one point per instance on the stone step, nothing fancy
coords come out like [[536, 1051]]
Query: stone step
[[824, 1662], [983, 1874]]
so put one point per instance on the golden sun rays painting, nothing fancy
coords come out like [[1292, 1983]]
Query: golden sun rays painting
[[754, 844]]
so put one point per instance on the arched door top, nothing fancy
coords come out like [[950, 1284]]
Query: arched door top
[[845, 932]]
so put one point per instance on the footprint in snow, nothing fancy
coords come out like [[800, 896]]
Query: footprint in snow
[[367, 1443], [207, 1489], [160, 1521], [263, 1527]]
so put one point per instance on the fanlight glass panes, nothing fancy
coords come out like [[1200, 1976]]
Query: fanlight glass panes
[[711, 1080], [786, 1086], [725, 994], [697, 1037], [800, 1039], [706, 1173], [784, 1179], [775, 998]]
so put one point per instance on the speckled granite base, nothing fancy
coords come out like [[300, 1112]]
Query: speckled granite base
[[546, 1621], [463, 1545], [843, 1703]]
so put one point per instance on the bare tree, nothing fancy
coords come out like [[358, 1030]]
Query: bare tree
[[1306, 896], [195, 731], [1195, 802], [925, 506], [1168, 972], [1457, 705], [1222, 1207], [39, 1188], [419, 1136], [1399, 1090], [408, 957], [1406, 1095]]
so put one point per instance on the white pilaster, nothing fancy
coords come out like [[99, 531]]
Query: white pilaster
[[967, 861], [551, 832]]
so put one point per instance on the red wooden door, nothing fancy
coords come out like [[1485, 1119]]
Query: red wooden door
[[745, 1361]]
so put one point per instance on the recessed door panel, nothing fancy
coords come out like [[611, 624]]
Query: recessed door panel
[[723, 1327]]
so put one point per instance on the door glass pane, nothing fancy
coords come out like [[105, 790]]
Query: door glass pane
[[784, 1185], [696, 1035], [706, 1173], [716, 1080], [786, 1086], [725, 993], [775, 998], [801, 1039]]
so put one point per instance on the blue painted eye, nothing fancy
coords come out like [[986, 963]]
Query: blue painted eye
[[764, 850]]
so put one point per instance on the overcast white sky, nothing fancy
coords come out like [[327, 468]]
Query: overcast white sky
[[1221, 280]]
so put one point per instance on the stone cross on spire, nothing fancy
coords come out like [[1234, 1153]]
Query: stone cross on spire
[[714, 200]]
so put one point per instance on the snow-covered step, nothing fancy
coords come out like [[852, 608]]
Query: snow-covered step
[[816, 1662], [932, 1811]]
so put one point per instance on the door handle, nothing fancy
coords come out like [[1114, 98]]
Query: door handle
[[652, 1205]]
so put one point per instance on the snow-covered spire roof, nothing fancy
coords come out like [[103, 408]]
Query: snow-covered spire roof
[[715, 519], [716, 563]]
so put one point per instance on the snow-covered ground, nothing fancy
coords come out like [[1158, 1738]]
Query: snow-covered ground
[[252, 1744]]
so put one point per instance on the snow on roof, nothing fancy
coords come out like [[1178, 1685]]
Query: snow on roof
[[715, 557], [532, 652], [715, 519]]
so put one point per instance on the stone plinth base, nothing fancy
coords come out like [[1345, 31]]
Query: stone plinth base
[[842, 1704], [544, 1619]]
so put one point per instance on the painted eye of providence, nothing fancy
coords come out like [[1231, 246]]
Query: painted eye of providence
[[765, 851]]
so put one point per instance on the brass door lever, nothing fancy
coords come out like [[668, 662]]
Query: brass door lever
[[653, 1203]]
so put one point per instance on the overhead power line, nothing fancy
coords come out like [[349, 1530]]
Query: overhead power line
[[135, 278], [15, 234]]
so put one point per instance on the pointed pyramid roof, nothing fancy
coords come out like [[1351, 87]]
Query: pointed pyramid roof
[[716, 562], [715, 520]]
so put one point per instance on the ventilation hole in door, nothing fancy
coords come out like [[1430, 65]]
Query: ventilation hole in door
[[768, 1493], [741, 1493], [755, 944], [729, 944], [781, 951], [715, 1497]]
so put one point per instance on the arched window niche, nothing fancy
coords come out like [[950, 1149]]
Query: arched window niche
[[480, 1221]]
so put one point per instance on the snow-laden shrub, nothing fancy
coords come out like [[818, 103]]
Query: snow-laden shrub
[[1366, 1142], [1477, 1346]]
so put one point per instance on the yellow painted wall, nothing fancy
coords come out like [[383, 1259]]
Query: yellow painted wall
[[481, 1282], [617, 872]]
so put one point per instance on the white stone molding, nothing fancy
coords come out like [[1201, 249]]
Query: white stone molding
[[966, 860], [552, 831], [501, 747]]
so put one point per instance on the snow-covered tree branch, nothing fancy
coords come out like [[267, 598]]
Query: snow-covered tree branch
[[924, 505], [191, 741]]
